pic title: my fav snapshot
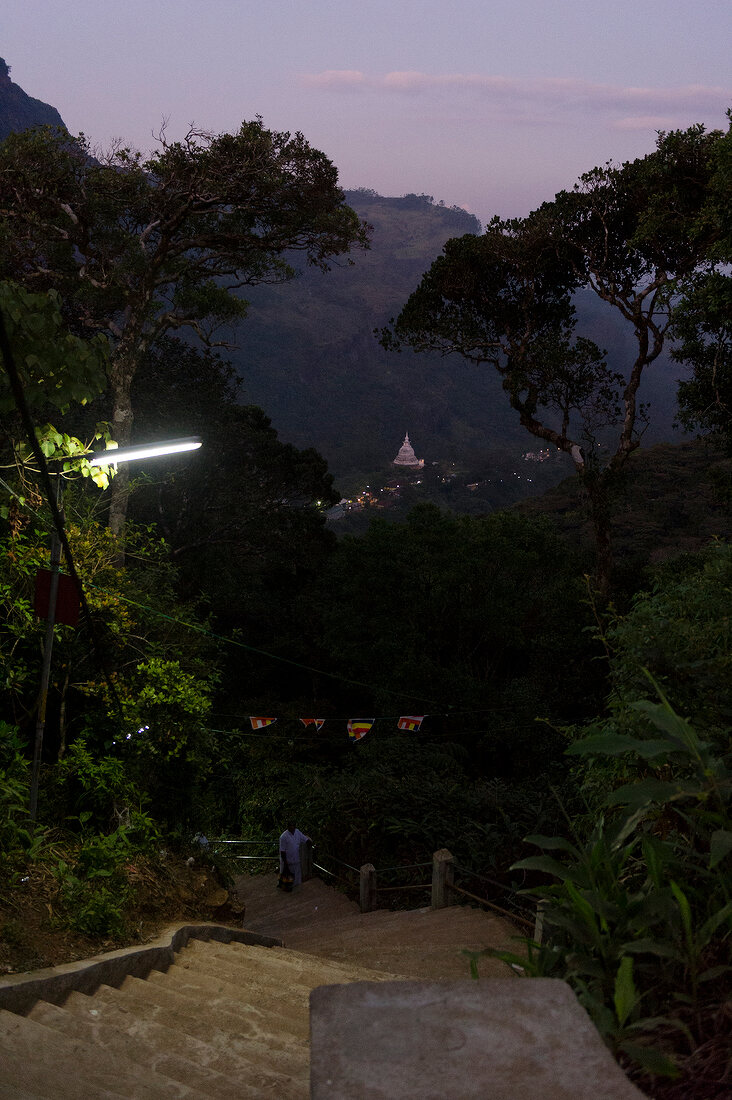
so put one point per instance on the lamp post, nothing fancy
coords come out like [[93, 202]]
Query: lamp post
[[110, 457]]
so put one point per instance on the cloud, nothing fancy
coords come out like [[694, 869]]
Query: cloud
[[638, 107], [644, 122], [336, 78]]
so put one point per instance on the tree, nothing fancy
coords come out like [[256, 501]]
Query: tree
[[137, 248], [631, 234], [702, 323], [703, 326], [460, 612], [55, 367], [245, 520]]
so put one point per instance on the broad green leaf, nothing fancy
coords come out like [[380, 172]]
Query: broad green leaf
[[647, 946], [551, 842], [625, 996], [544, 863], [664, 717], [684, 909], [720, 846], [648, 791], [714, 973], [651, 1059], [614, 744], [711, 925]]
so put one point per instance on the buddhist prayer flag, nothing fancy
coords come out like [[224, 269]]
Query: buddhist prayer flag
[[260, 723], [317, 722], [411, 721], [359, 727]]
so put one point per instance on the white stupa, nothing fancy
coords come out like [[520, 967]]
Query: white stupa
[[407, 457]]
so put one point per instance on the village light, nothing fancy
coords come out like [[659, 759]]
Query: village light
[[114, 455]]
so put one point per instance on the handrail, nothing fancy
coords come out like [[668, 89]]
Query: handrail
[[327, 855], [402, 867], [493, 882], [332, 874], [443, 866], [412, 886], [255, 857], [491, 905]]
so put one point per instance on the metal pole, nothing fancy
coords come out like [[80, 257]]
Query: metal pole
[[47, 654]]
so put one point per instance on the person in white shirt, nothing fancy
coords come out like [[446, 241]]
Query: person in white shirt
[[290, 842]]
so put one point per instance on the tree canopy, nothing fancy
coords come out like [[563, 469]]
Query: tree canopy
[[137, 248], [633, 234]]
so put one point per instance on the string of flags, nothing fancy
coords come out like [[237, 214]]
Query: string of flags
[[357, 727]]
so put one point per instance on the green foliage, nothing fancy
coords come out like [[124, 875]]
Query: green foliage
[[55, 367], [640, 918], [457, 611], [138, 248], [703, 328], [389, 800], [631, 234], [99, 791], [245, 520], [680, 633], [20, 839], [94, 890]]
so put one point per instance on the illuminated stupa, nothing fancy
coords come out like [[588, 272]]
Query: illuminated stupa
[[407, 457]]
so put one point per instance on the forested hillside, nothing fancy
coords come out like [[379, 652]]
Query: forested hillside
[[487, 682], [308, 354]]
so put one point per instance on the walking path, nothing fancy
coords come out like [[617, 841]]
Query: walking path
[[415, 943], [225, 1020]]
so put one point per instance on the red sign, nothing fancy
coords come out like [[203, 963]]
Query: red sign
[[67, 598]]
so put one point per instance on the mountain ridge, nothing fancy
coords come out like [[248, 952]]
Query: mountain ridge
[[307, 352], [19, 111]]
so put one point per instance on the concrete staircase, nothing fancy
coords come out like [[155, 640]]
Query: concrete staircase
[[225, 1019], [425, 944]]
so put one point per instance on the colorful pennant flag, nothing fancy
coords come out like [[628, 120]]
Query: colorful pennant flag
[[317, 722], [411, 721], [260, 723], [359, 727]]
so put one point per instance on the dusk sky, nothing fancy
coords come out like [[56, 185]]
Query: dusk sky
[[493, 105]]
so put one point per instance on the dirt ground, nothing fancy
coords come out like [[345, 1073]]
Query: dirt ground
[[34, 931]]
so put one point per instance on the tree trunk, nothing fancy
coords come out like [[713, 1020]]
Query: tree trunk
[[62, 717], [121, 373], [601, 527]]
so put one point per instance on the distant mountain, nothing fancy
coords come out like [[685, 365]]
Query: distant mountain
[[19, 111], [308, 355]]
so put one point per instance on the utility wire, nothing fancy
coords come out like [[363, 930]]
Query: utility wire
[[443, 713], [22, 406], [261, 652]]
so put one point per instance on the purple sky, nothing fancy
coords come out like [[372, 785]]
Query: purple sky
[[489, 104]]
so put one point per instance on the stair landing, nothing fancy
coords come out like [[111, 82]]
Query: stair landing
[[422, 943]]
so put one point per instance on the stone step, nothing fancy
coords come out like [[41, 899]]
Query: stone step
[[139, 1049], [221, 1029], [415, 943], [219, 1057], [75, 1069], [10, 1091], [230, 1019], [270, 910], [259, 995], [259, 1012], [24, 1076], [244, 961]]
